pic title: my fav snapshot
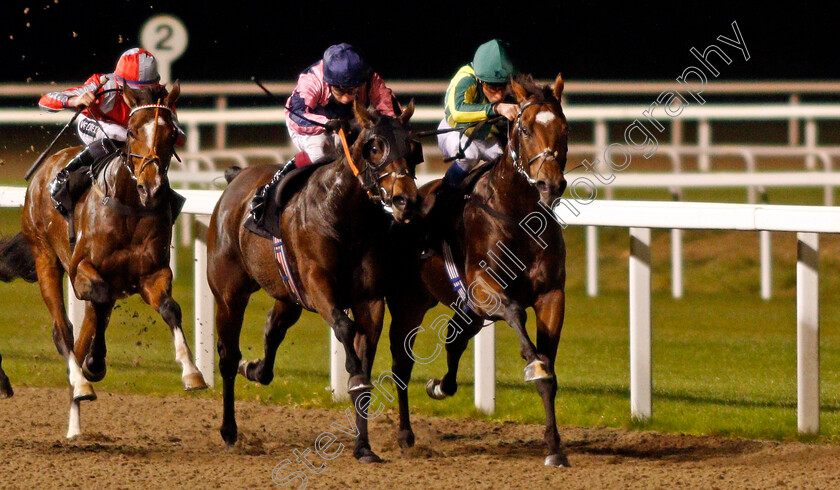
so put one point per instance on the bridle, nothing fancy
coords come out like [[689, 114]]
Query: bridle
[[394, 147], [516, 153], [151, 158]]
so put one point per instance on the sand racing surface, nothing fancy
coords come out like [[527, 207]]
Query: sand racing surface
[[134, 441]]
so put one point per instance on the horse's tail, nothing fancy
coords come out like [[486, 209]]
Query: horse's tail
[[231, 173], [16, 260]]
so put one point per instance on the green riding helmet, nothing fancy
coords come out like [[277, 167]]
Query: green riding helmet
[[492, 63]]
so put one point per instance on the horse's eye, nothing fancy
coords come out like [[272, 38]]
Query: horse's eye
[[525, 132]]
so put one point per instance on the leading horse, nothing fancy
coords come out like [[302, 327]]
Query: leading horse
[[336, 235], [124, 228], [506, 267]]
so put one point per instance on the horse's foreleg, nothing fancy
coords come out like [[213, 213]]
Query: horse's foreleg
[[280, 318], [5, 386], [50, 277], [156, 290], [405, 317], [369, 316], [321, 293], [536, 368], [459, 339], [230, 310], [90, 346], [550, 310]]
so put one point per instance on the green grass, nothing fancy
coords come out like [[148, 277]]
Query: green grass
[[724, 361]]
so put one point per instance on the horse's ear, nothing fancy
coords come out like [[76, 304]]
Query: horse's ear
[[519, 91], [131, 96], [174, 94], [362, 115], [558, 86], [407, 113]]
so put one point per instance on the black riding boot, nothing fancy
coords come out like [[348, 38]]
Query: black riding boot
[[258, 202], [59, 188]]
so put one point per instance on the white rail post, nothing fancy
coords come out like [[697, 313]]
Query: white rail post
[[193, 146], [173, 253], [221, 128], [205, 321], [338, 372], [75, 309], [640, 338], [704, 141], [766, 251], [601, 138], [485, 368], [592, 261], [808, 333], [676, 264], [811, 143], [793, 123]]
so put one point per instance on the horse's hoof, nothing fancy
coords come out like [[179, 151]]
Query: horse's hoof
[[73, 433], [365, 456], [84, 392], [193, 382], [91, 375], [537, 370], [558, 460], [6, 390], [434, 390], [243, 369], [229, 436], [406, 438], [359, 383], [370, 458]]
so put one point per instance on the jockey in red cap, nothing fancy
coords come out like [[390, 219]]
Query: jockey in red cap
[[136, 69]]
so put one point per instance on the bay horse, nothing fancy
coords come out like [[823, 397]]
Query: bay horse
[[505, 268], [336, 235], [124, 228]]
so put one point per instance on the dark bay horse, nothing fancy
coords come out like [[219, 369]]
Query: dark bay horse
[[124, 227], [336, 235], [505, 268], [15, 261]]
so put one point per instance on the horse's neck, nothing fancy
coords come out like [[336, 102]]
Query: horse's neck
[[116, 181], [511, 192]]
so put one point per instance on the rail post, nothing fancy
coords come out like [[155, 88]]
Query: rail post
[[640, 336], [808, 333], [485, 368], [205, 321]]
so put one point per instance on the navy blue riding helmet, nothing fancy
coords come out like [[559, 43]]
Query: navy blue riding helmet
[[343, 66]]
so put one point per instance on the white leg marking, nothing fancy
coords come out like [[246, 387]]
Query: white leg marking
[[545, 117], [75, 426], [183, 356], [75, 376]]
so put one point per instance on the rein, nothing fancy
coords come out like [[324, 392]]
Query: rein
[[516, 154], [112, 202], [371, 179]]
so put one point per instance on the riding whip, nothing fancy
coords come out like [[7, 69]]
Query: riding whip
[[296, 113]]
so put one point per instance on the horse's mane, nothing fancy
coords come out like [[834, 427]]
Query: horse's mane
[[540, 93], [149, 95]]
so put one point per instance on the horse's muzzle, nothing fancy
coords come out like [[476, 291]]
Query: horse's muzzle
[[405, 208]]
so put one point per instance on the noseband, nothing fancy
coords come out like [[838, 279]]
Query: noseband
[[394, 147], [516, 153], [152, 158]]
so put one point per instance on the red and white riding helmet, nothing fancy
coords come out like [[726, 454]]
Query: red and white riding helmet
[[137, 68]]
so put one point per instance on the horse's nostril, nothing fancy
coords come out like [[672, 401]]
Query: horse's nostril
[[399, 202], [542, 186]]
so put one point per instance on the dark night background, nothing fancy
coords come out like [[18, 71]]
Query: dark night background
[[411, 40]]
